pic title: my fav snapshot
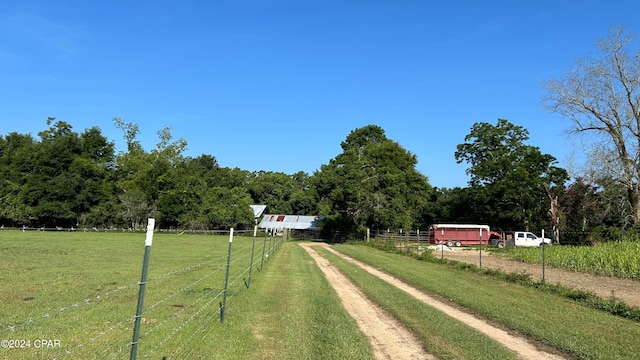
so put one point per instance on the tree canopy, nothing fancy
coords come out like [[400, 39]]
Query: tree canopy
[[508, 177], [373, 183], [75, 179]]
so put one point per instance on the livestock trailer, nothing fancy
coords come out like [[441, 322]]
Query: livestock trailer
[[461, 234]]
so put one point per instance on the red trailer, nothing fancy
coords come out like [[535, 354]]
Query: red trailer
[[461, 234]]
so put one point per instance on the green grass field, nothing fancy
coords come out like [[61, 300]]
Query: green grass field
[[80, 291]]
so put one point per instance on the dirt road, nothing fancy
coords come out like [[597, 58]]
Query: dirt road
[[379, 326], [627, 291], [388, 338]]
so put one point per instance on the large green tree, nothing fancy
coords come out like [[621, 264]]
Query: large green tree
[[282, 193], [507, 177], [190, 202], [61, 178], [273, 189], [16, 155], [373, 184], [224, 208], [143, 178], [448, 205]]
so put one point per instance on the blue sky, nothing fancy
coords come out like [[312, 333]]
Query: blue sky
[[277, 85]]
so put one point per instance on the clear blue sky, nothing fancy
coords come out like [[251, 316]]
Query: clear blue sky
[[277, 85]]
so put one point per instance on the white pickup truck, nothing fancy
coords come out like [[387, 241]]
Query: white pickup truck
[[518, 238], [528, 239]]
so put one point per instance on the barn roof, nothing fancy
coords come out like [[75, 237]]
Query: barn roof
[[279, 222], [258, 210]]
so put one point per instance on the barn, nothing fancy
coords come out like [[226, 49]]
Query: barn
[[294, 222]]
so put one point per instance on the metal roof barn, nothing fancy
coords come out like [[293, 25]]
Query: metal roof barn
[[258, 210], [298, 222]]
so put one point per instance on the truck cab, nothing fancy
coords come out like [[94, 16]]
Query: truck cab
[[528, 239]]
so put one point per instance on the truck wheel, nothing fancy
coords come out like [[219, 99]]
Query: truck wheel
[[458, 243], [449, 243], [500, 244]]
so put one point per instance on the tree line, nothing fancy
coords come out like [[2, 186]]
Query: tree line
[[76, 179], [70, 179]]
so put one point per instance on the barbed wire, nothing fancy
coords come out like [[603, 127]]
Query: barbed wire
[[240, 264], [235, 279], [181, 310], [93, 339], [188, 268], [122, 323], [73, 306], [215, 271], [179, 328], [198, 331], [102, 296]]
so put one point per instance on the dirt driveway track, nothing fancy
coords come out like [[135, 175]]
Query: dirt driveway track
[[625, 290], [388, 338], [383, 326]]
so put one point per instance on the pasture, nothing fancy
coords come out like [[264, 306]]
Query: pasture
[[80, 290]]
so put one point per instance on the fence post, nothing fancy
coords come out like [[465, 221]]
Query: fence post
[[480, 248], [543, 246], [441, 245], [142, 283], [253, 246], [226, 279], [264, 244]]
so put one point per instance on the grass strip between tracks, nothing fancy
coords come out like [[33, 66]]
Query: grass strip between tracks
[[442, 335]]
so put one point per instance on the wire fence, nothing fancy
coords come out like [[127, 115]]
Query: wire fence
[[180, 304], [563, 237]]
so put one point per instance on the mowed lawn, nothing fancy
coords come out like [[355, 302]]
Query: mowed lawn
[[79, 291]]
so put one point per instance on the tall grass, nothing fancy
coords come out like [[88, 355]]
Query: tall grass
[[619, 259]]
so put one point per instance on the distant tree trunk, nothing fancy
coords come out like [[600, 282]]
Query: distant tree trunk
[[634, 199], [554, 213]]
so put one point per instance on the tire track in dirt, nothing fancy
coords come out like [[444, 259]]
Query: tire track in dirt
[[389, 339], [520, 346]]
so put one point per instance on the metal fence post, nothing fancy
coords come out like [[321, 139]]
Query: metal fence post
[[226, 279], [253, 246], [264, 244], [142, 283], [480, 248], [543, 246]]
